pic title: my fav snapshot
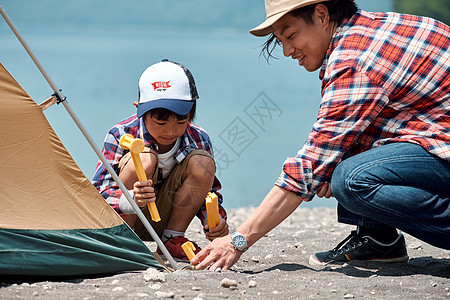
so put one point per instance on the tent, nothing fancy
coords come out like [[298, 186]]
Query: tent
[[53, 222]]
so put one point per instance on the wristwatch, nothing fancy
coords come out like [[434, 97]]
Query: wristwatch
[[239, 241]]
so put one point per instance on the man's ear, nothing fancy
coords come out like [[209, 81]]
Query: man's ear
[[135, 103], [322, 14]]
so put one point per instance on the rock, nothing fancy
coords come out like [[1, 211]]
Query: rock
[[255, 259], [154, 275], [155, 286], [196, 288], [160, 294], [252, 284], [227, 283], [118, 289], [349, 296], [115, 281], [269, 256], [143, 295]]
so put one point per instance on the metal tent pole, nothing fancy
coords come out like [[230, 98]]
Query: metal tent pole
[[61, 98]]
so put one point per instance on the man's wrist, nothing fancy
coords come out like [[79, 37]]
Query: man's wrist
[[238, 241]]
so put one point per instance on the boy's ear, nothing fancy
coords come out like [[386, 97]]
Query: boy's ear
[[135, 103]]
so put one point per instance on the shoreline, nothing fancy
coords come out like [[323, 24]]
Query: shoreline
[[274, 267]]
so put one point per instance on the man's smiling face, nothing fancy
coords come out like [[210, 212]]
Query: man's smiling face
[[307, 43]]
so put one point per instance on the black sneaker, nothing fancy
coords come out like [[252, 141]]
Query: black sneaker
[[362, 248]]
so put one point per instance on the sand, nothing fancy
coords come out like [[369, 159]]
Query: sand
[[276, 267]]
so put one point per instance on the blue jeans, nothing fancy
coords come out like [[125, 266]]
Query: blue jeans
[[399, 185]]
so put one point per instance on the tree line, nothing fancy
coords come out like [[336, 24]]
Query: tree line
[[437, 9]]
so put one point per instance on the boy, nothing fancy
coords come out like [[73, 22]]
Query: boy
[[178, 158]]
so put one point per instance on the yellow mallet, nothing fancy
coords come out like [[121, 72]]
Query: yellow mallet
[[212, 210], [189, 249], [136, 146]]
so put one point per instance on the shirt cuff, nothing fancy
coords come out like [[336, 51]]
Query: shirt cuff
[[125, 206], [285, 182]]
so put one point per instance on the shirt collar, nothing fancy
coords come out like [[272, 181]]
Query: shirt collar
[[338, 33]]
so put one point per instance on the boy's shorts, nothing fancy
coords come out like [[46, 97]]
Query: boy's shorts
[[164, 193]]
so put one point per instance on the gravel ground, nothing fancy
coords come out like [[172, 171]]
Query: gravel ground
[[276, 267]]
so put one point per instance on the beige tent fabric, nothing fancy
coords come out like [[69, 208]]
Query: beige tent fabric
[[41, 187]]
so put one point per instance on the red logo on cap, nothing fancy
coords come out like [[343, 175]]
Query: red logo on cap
[[161, 85]]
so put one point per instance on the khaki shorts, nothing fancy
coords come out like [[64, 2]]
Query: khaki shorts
[[164, 194]]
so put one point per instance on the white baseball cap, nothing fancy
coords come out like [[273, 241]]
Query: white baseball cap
[[168, 85]]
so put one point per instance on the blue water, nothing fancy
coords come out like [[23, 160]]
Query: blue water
[[256, 113]]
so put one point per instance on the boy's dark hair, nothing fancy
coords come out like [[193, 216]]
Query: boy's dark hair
[[164, 114], [339, 10]]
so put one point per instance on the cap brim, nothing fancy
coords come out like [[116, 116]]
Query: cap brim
[[265, 27], [180, 107]]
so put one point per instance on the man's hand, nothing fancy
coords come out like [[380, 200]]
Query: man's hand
[[220, 253], [325, 191], [220, 230], [144, 192]]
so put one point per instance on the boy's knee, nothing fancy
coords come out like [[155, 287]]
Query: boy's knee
[[201, 167]]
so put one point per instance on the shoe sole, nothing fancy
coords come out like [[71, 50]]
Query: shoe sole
[[314, 262]]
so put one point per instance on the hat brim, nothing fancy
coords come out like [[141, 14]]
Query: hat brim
[[180, 107], [265, 28]]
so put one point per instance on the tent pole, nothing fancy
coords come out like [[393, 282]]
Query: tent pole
[[100, 155]]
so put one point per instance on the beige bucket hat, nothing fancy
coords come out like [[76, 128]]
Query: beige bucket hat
[[275, 9]]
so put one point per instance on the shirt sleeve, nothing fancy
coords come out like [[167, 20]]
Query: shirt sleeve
[[350, 103], [103, 181]]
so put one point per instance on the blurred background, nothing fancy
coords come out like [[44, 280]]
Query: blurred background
[[257, 113]]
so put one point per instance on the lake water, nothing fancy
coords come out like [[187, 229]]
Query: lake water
[[256, 113]]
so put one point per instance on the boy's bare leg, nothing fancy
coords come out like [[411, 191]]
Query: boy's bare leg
[[128, 176], [197, 182]]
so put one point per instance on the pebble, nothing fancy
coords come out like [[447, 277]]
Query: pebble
[[143, 295], [349, 296], [118, 289], [298, 245], [160, 294], [255, 259], [115, 281], [252, 284], [152, 274], [269, 256], [155, 286], [227, 283], [196, 288]]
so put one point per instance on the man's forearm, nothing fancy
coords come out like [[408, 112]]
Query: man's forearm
[[276, 207]]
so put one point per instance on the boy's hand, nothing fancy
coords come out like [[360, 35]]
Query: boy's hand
[[144, 193], [220, 230]]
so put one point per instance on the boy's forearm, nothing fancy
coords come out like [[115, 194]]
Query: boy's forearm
[[276, 207]]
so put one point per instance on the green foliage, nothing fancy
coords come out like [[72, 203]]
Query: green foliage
[[437, 9]]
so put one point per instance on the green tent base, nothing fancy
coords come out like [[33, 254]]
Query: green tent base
[[72, 252]]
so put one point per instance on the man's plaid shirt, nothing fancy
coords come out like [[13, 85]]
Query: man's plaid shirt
[[385, 79]]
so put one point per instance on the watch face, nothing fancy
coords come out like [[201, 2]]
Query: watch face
[[239, 241]]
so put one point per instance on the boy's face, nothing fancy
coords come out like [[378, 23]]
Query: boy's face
[[165, 132], [307, 43]]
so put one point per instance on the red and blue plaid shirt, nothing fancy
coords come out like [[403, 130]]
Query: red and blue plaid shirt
[[194, 137], [385, 79]]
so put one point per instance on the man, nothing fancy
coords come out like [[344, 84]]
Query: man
[[381, 143]]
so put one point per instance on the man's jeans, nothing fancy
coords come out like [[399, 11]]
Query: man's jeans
[[398, 185]]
